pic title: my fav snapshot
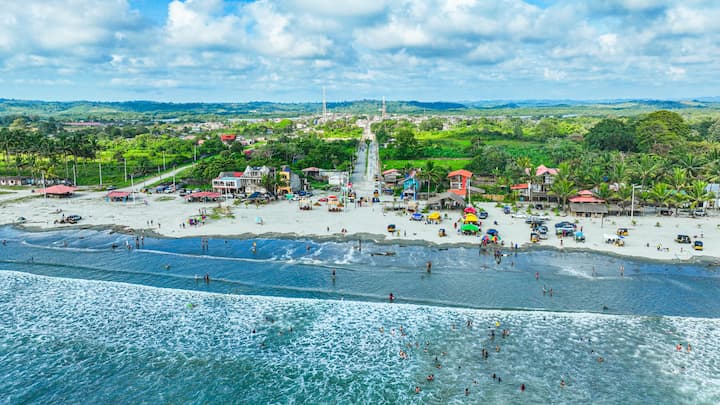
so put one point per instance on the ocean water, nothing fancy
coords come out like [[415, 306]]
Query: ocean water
[[83, 322]]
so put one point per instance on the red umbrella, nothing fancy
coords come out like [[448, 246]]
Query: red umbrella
[[470, 210]]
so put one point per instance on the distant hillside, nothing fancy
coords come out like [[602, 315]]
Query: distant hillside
[[151, 111]]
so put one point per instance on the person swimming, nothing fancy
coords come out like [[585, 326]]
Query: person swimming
[[392, 297]]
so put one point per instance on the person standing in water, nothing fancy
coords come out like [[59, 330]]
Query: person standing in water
[[429, 266], [622, 271]]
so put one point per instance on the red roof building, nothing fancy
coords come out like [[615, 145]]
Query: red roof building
[[59, 191], [585, 199], [118, 195], [542, 170], [227, 138], [521, 186], [203, 196], [458, 181]]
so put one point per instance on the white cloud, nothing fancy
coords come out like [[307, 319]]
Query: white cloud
[[408, 45], [200, 23], [552, 74]]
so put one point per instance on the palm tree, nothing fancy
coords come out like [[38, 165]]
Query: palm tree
[[646, 168], [691, 163], [624, 194], [563, 189], [662, 194], [678, 178], [697, 194]]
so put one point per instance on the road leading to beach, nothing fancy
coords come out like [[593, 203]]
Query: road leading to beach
[[155, 179], [366, 164]]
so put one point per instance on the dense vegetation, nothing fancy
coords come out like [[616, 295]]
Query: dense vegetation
[[672, 155], [671, 158]]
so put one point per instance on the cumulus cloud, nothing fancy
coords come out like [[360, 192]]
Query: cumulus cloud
[[289, 48]]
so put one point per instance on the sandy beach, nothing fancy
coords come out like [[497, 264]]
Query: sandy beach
[[165, 215]]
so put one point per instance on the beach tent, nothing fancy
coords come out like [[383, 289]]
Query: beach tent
[[470, 210], [259, 220], [416, 216], [470, 228], [471, 219], [434, 217]]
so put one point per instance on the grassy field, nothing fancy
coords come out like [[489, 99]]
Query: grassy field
[[451, 164]]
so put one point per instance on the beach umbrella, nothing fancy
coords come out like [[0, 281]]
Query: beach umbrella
[[470, 218], [470, 210], [434, 215], [470, 228], [493, 232]]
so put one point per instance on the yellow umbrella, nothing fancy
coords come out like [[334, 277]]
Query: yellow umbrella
[[434, 215], [470, 218]]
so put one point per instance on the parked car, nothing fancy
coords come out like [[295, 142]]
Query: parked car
[[519, 215], [700, 213], [666, 213], [483, 214], [698, 245], [565, 224], [683, 239], [111, 188]]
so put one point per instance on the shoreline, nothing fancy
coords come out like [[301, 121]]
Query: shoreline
[[377, 239], [651, 238]]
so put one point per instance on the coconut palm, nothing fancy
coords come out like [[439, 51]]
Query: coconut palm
[[563, 189], [678, 179], [624, 195], [691, 163], [697, 194], [661, 194], [646, 168]]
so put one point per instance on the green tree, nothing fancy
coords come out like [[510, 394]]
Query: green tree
[[611, 134], [661, 131], [661, 194], [563, 189], [697, 194]]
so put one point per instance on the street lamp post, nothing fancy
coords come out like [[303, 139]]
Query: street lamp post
[[632, 201]]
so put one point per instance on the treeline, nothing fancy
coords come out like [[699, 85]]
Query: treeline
[[296, 152]]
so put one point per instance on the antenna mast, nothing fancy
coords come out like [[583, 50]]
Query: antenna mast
[[324, 101], [384, 109]]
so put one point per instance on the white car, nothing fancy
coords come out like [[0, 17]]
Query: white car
[[518, 215]]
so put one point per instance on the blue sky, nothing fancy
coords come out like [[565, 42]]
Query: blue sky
[[287, 50]]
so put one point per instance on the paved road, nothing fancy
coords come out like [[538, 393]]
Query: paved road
[[363, 177], [155, 179]]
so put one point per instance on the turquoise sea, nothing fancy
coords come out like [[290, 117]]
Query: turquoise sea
[[82, 321]]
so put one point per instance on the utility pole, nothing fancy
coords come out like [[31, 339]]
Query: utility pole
[[194, 154], [632, 202], [132, 187], [164, 168], [125, 163], [74, 175], [100, 172]]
